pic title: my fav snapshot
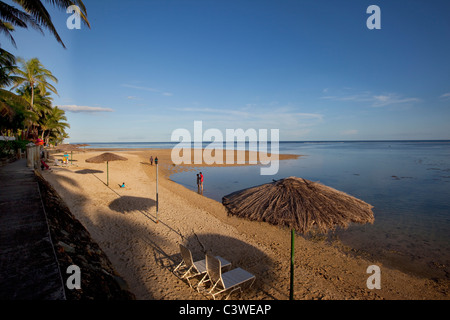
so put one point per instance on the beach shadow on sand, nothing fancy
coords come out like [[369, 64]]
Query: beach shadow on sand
[[129, 204], [239, 252], [88, 171], [126, 204]]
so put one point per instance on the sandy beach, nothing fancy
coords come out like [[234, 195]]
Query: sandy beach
[[143, 247]]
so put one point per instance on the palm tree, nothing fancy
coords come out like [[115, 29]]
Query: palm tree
[[7, 66], [11, 17], [42, 101], [33, 74], [53, 123], [12, 106], [42, 105], [35, 15], [15, 113]]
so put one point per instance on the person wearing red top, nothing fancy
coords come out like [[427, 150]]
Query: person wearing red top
[[201, 182]]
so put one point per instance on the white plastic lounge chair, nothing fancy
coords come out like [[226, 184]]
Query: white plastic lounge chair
[[193, 269], [232, 279]]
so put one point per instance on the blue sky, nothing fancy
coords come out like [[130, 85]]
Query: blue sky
[[311, 69]]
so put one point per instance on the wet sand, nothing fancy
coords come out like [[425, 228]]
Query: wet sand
[[143, 247]]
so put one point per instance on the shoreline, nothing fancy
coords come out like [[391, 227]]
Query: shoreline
[[324, 272]]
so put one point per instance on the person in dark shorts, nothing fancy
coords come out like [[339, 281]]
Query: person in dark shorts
[[198, 183]]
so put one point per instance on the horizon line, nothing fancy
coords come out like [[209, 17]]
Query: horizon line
[[283, 141]]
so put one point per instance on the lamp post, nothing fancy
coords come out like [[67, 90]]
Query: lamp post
[[156, 162]]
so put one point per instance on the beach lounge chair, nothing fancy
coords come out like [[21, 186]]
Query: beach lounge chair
[[230, 280], [191, 268]]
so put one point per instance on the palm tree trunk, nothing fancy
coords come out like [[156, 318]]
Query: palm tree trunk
[[32, 95], [32, 109], [47, 138]]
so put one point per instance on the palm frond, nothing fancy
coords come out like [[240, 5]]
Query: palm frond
[[64, 4], [37, 14], [37, 10], [32, 73], [17, 17], [6, 28], [7, 67]]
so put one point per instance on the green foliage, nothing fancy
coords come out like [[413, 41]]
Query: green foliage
[[30, 109], [7, 148], [29, 112], [35, 15]]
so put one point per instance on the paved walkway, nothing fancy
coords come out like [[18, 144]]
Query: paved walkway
[[28, 265]]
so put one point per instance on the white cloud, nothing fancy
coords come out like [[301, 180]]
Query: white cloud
[[445, 96], [384, 100], [356, 98], [149, 89], [215, 111], [272, 115], [292, 124], [349, 132], [140, 88], [133, 98], [75, 108], [374, 100]]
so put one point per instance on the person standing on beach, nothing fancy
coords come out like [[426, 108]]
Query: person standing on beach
[[198, 183], [201, 182], [151, 160]]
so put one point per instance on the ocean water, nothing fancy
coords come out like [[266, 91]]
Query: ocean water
[[407, 182]]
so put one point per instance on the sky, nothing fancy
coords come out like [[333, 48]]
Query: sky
[[312, 69]]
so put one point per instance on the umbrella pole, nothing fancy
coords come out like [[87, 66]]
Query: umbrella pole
[[156, 192], [71, 157], [291, 293], [107, 173]]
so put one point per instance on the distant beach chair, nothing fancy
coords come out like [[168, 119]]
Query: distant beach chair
[[232, 279], [191, 268]]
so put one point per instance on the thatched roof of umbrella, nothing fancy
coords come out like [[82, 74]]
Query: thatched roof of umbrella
[[105, 157], [67, 147], [299, 204]]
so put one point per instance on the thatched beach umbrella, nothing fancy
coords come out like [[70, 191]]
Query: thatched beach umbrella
[[82, 145], [300, 205], [68, 147], [107, 156]]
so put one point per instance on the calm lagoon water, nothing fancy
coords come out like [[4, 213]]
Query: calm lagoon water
[[407, 182]]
